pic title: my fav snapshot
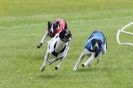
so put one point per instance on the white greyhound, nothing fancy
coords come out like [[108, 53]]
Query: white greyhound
[[57, 47], [95, 47]]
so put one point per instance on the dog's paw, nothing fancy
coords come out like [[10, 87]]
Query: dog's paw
[[42, 68], [83, 65], [56, 68], [39, 45], [74, 69]]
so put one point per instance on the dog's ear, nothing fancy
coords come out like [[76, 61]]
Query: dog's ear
[[49, 24], [57, 22], [69, 33], [62, 34]]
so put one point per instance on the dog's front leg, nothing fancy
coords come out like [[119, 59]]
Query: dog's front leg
[[79, 60], [89, 61], [42, 40], [98, 57], [45, 61], [53, 61], [59, 63]]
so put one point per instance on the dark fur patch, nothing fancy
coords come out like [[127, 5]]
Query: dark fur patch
[[65, 35]]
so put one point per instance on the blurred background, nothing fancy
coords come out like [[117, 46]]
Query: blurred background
[[22, 25]]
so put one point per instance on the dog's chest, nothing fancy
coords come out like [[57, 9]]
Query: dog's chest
[[59, 46]]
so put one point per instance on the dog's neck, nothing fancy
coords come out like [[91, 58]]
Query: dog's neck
[[59, 46]]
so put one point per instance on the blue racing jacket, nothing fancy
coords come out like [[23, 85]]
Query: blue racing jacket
[[101, 39]]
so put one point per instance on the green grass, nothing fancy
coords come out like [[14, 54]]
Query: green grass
[[21, 27]]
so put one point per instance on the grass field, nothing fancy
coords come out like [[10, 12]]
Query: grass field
[[21, 27]]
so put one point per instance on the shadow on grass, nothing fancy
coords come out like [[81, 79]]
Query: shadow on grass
[[48, 76], [96, 69], [83, 70]]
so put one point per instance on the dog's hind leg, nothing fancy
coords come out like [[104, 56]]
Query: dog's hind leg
[[59, 63], [89, 61], [104, 48], [45, 61], [53, 61]]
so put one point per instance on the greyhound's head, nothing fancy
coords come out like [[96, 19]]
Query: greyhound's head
[[52, 26], [65, 35], [95, 44]]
